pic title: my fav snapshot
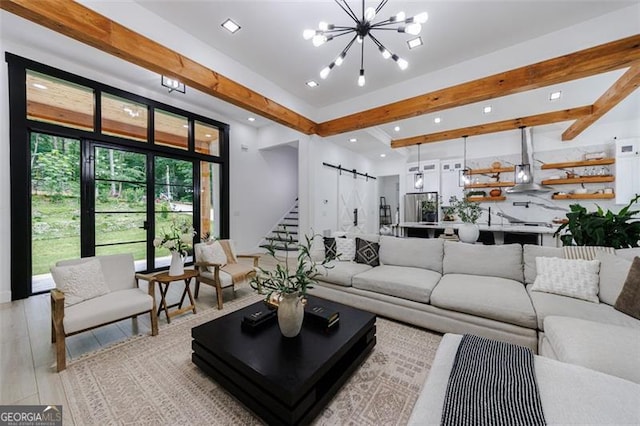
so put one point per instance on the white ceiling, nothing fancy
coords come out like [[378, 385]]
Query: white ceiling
[[270, 48]]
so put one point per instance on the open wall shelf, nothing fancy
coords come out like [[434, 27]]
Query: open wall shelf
[[489, 185], [585, 163], [486, 199], [583, 196], [584, 179], [491, 171]]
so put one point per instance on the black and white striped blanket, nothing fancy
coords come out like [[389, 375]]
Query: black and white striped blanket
[[492, 383]]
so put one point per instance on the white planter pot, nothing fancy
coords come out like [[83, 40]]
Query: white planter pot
[[177, 264], [468, 233], [290, 314]]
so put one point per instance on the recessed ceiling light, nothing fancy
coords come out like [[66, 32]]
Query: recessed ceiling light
[[312, 83], [186, 126], [230, 26], [252, 119], [554, 96], [437, 120], [396, 129], [40, 86], [207, 135], [487, 109], [353, 140], [383, 155], [414, 42]]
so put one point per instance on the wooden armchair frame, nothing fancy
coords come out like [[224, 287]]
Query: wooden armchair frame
[[215, 282], [58, 334]]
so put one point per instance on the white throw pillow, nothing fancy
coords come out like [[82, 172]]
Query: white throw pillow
[[79, 282], [568, 277], [613, 273], [346, 248], [213, 253]]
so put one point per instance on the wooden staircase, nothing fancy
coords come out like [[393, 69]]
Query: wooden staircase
[[284, 236]]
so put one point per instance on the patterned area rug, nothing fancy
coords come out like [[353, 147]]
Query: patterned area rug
[[151, 380]]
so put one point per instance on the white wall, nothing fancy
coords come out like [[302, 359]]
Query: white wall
[[5, 216]]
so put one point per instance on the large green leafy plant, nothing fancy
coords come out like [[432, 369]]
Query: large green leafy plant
[[600, 228], [468, 211]]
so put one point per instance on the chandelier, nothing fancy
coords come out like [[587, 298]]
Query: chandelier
[[361, 28]]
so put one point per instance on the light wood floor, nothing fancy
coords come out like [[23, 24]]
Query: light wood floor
[[27, 356]]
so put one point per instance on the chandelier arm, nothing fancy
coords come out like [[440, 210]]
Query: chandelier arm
[[387, 29], [339, 28], [348, 10], [348, 46], [341, 34], [362, 53], [378, 43], [385, 23], [381, 5]]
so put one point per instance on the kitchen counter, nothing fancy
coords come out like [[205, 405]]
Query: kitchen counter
[[545, 233]]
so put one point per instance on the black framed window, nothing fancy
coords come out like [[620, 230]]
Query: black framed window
[[126, 163]]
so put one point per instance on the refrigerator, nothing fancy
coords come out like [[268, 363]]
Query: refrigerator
[[414, 210]]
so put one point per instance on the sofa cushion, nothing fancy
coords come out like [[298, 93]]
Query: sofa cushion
[[211, 252], [401, 281], [330, 249], [345, 249], [80, 282], [504, 261], [629, 299], [613, 273], [340, 273], [103, 309], [495, 298], [530, 252], [367, 252], [568, 277], [425, 253], [547, 304], [121, 269], [612, 349], [225, 279]]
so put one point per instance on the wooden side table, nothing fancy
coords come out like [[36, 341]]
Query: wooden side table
[[165, 279]]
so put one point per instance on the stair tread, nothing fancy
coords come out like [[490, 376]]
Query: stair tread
[[281, 248], [284, 232]]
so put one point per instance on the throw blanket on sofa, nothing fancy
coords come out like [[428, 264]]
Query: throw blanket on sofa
[[584, 252], [492, 383]]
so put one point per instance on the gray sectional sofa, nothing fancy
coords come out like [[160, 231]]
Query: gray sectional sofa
[[452, 287]]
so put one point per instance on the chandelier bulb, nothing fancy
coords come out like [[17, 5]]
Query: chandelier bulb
[[360, 39], [319, 40], [421, 18], [340, 59], [323, 26], [326, 70], [400, 16], [385, 53], [413, 29], [361, 80], [402, 64], [308, 34], [369, 14]]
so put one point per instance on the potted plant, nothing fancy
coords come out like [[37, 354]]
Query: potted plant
[[289, 284], [600, 228], [469, 213], [178, 240], [429, 211]]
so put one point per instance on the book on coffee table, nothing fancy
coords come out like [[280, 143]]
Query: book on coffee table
[[258, 319], [321, 315]]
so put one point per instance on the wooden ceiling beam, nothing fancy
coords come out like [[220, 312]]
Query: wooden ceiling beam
[[83, 24], [584, 63], [498, 126], [622, 88]]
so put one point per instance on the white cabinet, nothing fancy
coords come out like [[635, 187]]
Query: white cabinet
[[627, 169], [431, 176], [450, 180]]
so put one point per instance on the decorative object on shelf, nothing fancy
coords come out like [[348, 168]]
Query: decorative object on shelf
[[469, 213], [600, 228], [496, 165], [496, 192], [361, 28], [418, 180], [523, 172], [448, 215], [288, 286], [178, 240]]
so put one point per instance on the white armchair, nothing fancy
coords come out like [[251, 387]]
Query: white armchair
[[115, 297]]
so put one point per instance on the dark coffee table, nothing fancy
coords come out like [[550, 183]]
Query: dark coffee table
[[284, 380]]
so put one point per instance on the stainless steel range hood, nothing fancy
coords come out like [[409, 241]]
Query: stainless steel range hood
[[524, 172]]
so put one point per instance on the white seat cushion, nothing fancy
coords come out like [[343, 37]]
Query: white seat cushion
[[104, 309], [400, 281], [80, 281], [340, 273], [225, 279], [611, 349], [495, 298]]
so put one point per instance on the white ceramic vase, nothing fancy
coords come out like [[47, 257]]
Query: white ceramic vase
[[177, 264], [468, 233], [290, 314]]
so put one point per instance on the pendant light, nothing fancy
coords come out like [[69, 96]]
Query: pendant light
[[418, 179], [465, 178]]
